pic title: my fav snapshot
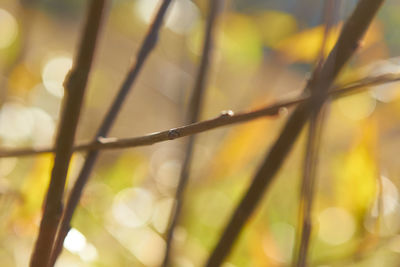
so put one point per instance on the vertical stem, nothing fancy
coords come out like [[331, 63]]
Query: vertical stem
[[147, 46], [195, 104], [308, 185], [75, 88], [311, 156]]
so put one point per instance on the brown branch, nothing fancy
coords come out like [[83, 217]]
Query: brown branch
[[226, 118], [307, 188], [146, 48], [318, 85], [75, 88], [193, 116]]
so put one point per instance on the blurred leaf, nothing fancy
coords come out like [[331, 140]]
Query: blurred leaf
[[123, 19], [240, 41], [124, 173], [305, 45], [11, 53], [259, 242], [357, 106], [33, 191], [355, 173], [240, 147], [275, 26], [22, 79], [373, 35]]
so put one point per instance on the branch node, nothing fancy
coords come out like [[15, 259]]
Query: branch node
[[226, 114], [283, 111], [173, 134]]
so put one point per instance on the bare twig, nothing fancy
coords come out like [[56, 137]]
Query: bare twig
[[226, 118], [75, 88], [318, 85], [147, 46], [308, 186], [193, 116], [311, 156]]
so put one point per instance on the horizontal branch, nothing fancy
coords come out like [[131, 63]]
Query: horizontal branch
[[226, 118]]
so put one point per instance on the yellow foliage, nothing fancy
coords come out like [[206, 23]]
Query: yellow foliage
[[275, 26], [21, 79], [305, 46], [241, 146], [356, 107], [240, 41], [356, 172], [373, 34], [260, 241], [33, 191]]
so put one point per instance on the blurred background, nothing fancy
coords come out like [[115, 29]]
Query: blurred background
[[264, 52]]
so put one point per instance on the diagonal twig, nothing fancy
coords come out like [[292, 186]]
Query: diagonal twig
[[348, 41], [75, 88], [192, 117], [226, 118], [146, 48]]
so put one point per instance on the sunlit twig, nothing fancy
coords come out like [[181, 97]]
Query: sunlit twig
[[192, 117], [226, 118], [317, 119]]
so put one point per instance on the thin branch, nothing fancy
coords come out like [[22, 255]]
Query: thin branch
[[308, 185], [225, 119], [318, 85], [193, 116], [75, 88], [146, 48], [311, 154]]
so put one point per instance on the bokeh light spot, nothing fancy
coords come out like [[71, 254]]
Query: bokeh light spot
[[89, 253], [390, 198], [16, 122], [168, 173], [284, 236], [43, 129], [357, 107], [384, 92], [75, 241], [54, 73], [182, 16], [147, 246], [133, 207], [8, 29], [336, 226], [162, 213]]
